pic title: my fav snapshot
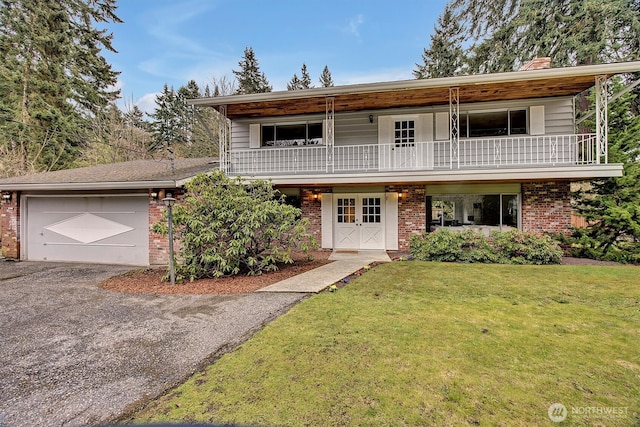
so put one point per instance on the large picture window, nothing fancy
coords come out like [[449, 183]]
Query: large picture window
[[493, 123], [490, 210], [295, 134]]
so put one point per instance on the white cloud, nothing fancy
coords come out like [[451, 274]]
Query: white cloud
[[353, 26], [147, 103]]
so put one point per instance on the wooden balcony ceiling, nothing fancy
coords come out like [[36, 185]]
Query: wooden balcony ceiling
[[411, 97]]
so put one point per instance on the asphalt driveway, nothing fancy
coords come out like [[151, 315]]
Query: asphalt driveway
[[73, 354]]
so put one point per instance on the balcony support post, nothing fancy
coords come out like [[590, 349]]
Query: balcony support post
[[328, 132], [223, 139], [454, 128], [602, 127]]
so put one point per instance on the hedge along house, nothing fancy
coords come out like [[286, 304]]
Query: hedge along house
[[372, 164], [98, 214]]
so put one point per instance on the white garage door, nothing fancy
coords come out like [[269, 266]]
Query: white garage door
[[109, 230]]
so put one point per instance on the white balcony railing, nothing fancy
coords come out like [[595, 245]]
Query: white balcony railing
[[523, 151]]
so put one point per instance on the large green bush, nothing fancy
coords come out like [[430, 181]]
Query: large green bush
[[512, 247], [228, 227]]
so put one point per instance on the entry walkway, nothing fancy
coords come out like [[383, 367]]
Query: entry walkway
[[343, 265]]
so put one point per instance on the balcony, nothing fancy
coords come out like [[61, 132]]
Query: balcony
[[471, 154]]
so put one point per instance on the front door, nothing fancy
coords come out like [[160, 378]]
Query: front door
[[359, 221]]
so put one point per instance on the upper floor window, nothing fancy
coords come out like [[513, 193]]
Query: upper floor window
[[295, 134], [404, 133], [493, 123]]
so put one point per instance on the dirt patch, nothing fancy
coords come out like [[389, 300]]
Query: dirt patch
[[149, 281]]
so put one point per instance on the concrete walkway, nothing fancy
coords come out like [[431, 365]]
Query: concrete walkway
[[343, 265]]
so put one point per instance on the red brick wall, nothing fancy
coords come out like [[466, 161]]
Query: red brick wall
[[546, 206], [10, 225], [412, 212], [312, 209], [158, 244]]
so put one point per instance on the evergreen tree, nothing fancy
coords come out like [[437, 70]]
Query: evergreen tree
[[305, 79], [507, 33], [325, 78], [295, 83], [612, 205], [445, 56], [167, 125], [53, 78], [250, 78]]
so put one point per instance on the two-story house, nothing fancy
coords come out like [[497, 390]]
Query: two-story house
[[372, 164]]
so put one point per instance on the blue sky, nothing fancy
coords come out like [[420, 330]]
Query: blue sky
[[173, 41]]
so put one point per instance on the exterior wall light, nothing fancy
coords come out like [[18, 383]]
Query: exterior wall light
[[370, 118], [6, 197]]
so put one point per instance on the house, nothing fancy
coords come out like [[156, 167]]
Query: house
[[99, 214], [372, 164]]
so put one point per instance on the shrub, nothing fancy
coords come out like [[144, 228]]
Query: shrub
[[582, 244], [512, 247], [519, 247], [228, 227]]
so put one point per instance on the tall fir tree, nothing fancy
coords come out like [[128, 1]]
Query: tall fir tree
[[445, 56], [325, 77], [305, 78], [611, 206], [250, 78], [53, 79], [507, 33]]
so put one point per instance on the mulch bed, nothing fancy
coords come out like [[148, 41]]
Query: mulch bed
[[149, 281]]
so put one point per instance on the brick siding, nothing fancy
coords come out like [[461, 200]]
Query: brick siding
[[158, 244], [412, 212], [312, 209], [546, 206], [10, 225]]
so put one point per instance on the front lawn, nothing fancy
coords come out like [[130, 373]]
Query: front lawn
[[416, 343]]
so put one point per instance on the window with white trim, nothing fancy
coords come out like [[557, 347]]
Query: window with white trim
[[292, 134], [404, 133], [477, 124]]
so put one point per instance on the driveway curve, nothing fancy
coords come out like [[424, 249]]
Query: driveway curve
[[74, 354]]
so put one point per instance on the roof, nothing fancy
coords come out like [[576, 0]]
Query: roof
[[135, 174], [423, 92]]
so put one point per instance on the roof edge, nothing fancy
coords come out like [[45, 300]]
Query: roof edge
[[475, 79], [113, 185]]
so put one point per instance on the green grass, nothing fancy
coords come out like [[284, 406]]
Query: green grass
[[413, 343]]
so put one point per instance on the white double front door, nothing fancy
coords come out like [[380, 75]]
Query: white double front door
[[359, 221]]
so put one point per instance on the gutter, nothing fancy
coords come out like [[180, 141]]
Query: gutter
[[477, 79], [127, 185]]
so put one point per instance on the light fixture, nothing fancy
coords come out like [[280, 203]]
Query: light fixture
[[6, 196], [154, 195], [370, 118], [169, 201]]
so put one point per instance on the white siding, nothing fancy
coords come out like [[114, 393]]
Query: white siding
[[239, 136], [559, 116], [391, 221], [254, 135], [355, 129], [536, 120], [326, 220], [442, 126]]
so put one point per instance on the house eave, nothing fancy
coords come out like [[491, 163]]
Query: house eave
[[567, 173], [407, 85], [91, 186]]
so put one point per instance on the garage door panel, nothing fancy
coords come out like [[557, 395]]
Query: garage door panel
[[88, 229]]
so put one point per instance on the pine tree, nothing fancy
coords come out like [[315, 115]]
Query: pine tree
[[325, 78], [53, 78], [305, 79], [250, 78], [445, 56], [167, 123], [612, 205], [507, 33], [295, 83]]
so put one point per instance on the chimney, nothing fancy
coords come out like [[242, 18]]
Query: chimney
[[537, 64]]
